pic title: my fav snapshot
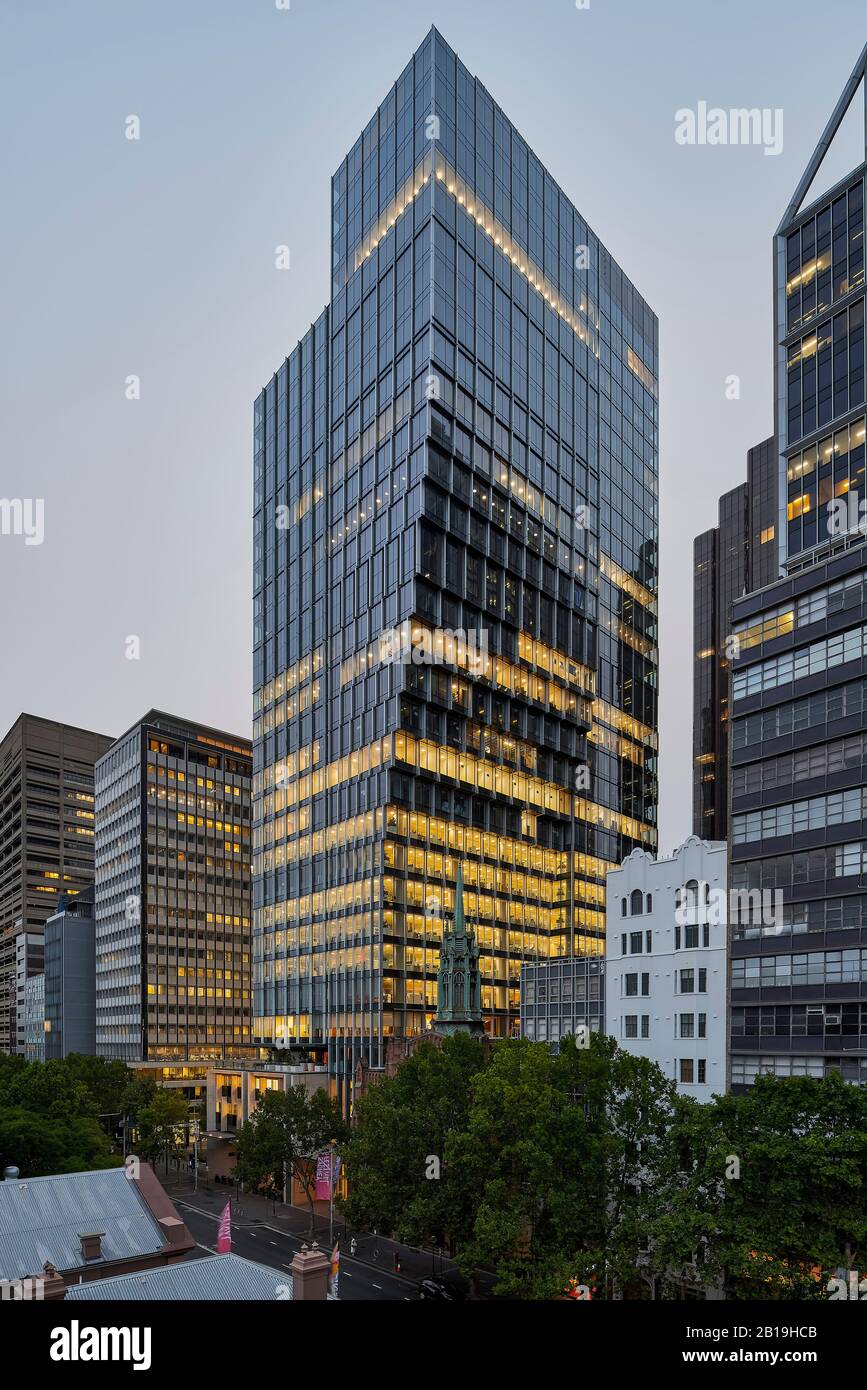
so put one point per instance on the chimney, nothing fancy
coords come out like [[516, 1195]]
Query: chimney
[[174, 1228], [91, 1246], [53, 1285], [309, 1275]]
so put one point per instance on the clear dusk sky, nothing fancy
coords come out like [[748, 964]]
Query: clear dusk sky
[[156, 258]]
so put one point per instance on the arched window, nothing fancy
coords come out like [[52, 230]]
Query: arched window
[[650, 902], [689, 895], [636, 901], [622, 907]]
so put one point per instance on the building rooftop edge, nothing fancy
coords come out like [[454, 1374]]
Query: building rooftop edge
[[152, 720], [55, 723]]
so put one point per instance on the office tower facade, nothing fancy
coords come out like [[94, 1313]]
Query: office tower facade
[[798, 807], [70, 978], [172, 903], [735, 557], [455, 648], [46, 845], [562, 996], [29, 965], [665, 963], [34, 1019]]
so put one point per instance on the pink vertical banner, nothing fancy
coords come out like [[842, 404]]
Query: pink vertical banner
[[323, 1176], [224, 1235]]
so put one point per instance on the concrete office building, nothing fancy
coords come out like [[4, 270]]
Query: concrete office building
[[455, 572], [46, 845], [172, 906], [665, 963]]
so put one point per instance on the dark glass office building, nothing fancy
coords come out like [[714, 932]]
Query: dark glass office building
[[560, 997], [733, 558], [70, 978], [798, 809], [455, 572]]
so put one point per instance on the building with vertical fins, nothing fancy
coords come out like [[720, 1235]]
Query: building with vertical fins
[[734, 557], [455, 576], [798, 790], [172, 897]]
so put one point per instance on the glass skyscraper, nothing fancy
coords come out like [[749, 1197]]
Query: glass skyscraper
[[798, 790], [455, 574]]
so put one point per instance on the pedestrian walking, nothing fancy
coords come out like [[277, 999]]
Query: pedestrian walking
[[353, 1246]]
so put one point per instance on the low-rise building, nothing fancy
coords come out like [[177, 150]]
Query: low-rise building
[[226, 1095], [562, 996], [83, 1226], [223, 1278], [666, 962]]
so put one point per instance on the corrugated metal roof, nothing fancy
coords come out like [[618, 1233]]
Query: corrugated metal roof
[[222, 1277], [42, 1218]]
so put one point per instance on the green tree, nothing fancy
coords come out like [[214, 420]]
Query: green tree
[[41, 1144], [50, 1088], [159, 1127], [284, 1135], [561, 1164], [107, 1082], [768, 1188], [138, 1095], [399, 1180]]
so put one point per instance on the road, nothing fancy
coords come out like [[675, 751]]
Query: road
[[256, 1239]]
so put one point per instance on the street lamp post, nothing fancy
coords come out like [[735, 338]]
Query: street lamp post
[[331, 1193], [194, 1135]]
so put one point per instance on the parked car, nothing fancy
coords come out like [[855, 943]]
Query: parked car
[[442, 1289]]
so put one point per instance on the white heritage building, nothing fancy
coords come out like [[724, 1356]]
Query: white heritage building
[[665, 962]]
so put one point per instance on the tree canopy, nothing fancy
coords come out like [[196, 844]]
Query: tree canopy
[[59, 1116], [585, 1167], [283, 1138]]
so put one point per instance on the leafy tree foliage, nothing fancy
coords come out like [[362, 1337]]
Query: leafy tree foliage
[[563, 1157], [41, 1143], [587, 1167], [62, 1112], [396, 1166], [159, 1128], [769, 1187], [284, 1136]]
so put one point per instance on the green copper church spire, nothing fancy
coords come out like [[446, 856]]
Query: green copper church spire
[[459, 991]]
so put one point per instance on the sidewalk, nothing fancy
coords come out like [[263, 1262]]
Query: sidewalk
[[377, 1252]]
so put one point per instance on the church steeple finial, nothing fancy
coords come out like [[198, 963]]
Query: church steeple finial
[[459, 924], [459, 1002]]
